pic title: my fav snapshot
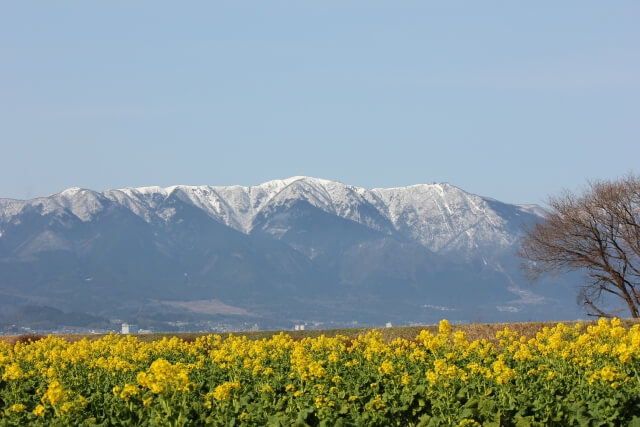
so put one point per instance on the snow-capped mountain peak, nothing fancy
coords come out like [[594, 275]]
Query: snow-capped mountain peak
[[269, 248], [440, 216]]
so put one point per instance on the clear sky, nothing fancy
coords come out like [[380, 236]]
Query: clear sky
[[512, 100]]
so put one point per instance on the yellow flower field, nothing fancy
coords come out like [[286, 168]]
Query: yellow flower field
[[562, 376]]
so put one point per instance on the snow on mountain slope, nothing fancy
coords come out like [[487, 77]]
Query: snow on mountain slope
[[342, 200], [534, 210], [9, 208], [81, 203], [441, 217]]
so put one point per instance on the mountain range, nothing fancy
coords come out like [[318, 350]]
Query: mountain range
[[294, 251]]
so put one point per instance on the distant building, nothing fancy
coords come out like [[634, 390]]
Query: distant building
[[129, 329], [298, 327], [388, 325]]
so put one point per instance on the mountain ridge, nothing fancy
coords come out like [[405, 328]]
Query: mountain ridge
[[238, 206], [300, 248]]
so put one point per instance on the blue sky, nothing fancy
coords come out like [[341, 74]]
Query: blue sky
[[510, 100]]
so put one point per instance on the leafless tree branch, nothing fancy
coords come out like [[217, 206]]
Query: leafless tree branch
[[597, 231]]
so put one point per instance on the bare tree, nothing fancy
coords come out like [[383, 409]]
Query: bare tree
[[597, 231]]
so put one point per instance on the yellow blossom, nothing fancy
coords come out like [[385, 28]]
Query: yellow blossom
[[13, 372], [444, 327], [39, 411], [54, 394], [17, 407], [386, 368], [129, 391], [225, 391]]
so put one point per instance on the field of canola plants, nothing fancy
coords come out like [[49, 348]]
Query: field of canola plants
[[565, 375]]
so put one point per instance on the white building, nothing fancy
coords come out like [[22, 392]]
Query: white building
[[129, 329]]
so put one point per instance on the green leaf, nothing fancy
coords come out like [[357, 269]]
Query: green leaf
[[462, 393]]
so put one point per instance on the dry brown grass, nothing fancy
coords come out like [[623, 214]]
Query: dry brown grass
[[26, 338], [474, 331]]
